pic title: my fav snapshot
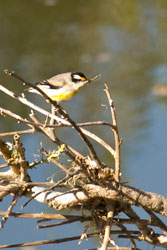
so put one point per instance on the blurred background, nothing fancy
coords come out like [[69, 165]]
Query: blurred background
[[125, 42]]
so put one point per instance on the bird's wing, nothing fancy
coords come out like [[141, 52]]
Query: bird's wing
[[59, 80]]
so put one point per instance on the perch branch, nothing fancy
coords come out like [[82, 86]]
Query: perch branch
[[58, 119], [64, 114]]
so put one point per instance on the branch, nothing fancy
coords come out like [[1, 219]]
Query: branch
[[10, 208], [129, 195], [46, 216], [122, 193], [50, 115], [46, 242], [110, 216], [116, 135]]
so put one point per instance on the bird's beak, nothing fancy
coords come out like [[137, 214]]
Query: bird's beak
[[83, 79]]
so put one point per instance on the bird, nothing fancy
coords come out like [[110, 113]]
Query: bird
[[62, 87]]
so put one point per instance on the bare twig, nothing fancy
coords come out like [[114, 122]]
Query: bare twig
[[16, 117], [147, 233], [156, 221], [110, 216], [56, 162], [123, 228], [14, 202], [46, 216], [4, 165], [116, 135], [66, 239], [19, 132], [46, 242], [69, 221]]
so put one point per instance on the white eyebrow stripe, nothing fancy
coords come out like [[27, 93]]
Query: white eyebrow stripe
[[76, 77]]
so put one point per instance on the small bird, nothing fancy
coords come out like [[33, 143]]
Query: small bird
[[63, 86]]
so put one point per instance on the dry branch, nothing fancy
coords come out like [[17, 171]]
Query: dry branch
[[116, 135], [60, 121], [90, 184]]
